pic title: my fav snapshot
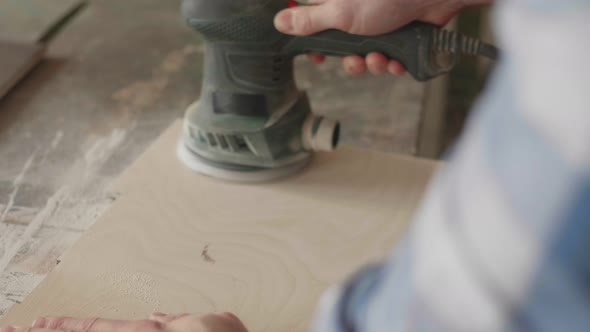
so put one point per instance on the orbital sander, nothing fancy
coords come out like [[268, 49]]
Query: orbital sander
[[251, 122]]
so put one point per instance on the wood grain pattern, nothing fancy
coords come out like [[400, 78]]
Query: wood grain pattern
[[16, 60], [176, 241]]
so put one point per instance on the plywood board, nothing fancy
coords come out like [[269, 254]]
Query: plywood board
[[32, 21], [16, 60], [176, 241]]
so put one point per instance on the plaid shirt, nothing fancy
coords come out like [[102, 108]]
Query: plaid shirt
[[502, 240]]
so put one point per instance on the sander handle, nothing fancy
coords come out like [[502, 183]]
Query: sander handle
[[419, 47]]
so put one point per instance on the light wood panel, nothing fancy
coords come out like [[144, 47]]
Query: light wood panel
[[16, 60], [176, 241]]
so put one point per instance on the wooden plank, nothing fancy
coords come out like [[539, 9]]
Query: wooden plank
[[177, 241], [33, 21], [16, 60], [42, 252]]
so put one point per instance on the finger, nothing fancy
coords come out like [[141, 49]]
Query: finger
[[306, 20], [396, 68], [160, 317], [377, 63], [229, 315], [354, 65], [75, 324], [221, 321], [316, 58], [175, 317], [166, 318], [97, 324], [26, 329]]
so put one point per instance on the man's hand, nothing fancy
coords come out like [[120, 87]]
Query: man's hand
[[158, 322], [365, 17]]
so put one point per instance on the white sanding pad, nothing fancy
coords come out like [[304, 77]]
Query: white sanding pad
[[253, 175]]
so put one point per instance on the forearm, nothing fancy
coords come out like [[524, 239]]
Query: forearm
[[508, 216]]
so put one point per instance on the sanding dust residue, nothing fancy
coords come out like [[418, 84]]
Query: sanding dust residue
[[135, 287]]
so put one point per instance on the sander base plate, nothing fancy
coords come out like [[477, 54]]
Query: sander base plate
[[247, 175]]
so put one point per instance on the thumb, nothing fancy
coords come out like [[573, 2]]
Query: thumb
[[306, 20]]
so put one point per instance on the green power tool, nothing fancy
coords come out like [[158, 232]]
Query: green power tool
[[251, 122]]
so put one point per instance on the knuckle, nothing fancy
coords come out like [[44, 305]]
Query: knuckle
[[303, 22], [230, 316], [55, 322], [88, 324], [343, 18]]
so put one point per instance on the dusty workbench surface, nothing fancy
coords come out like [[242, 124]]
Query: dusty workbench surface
[[113, 79], [176, 241], [32, 21]]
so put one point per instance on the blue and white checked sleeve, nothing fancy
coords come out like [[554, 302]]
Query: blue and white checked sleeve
[[502, 240]]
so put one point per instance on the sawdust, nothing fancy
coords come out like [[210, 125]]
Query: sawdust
[[84, 196], [18, 180], [134, 287], [41, 254], [76, 204], [21, 215], [99, 153], [54, 144], [13, 247], [14, 287]]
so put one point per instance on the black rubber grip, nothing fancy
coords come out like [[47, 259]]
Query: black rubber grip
[[410, 45]]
